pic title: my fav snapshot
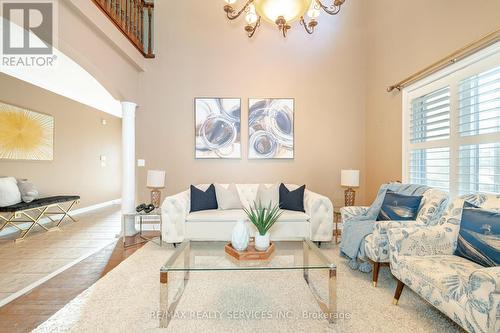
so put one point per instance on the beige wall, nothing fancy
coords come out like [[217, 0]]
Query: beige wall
[[80, 139], [201, 54], [86, 42], [338, 76], [404, 37]]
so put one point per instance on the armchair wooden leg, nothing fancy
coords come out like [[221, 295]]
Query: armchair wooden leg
[[376, 270], [399, 290]]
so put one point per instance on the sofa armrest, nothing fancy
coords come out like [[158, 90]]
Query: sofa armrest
[[381, 227], [174, 211], [484, 296], [417, 241], [348, 213], [377, 245], [320, 210]]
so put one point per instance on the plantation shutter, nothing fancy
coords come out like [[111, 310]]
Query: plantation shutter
[[479, 102], [479, 168], [430, 167], [451, 132], [430, 116]]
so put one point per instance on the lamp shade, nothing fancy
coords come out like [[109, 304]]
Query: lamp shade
[[156, 178], [350, 178]]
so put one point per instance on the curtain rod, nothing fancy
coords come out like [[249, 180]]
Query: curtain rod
[[458, 55]]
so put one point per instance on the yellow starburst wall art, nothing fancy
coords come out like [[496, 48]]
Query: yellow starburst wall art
[[25, 134]]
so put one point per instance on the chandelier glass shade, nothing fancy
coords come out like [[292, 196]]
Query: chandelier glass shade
[[282, 13], [291, 10]]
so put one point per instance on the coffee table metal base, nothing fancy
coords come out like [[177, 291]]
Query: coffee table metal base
[[167, 311]]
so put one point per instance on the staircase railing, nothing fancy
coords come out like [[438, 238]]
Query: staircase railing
[[134, 18]]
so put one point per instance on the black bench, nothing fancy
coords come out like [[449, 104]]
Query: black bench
[[36, 210]]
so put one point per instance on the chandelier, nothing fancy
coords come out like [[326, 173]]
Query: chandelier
[[282, 13]]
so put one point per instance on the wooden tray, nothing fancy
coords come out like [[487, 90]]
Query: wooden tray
[[250, 254]]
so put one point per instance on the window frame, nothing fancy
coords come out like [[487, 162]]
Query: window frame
[[450, 76]]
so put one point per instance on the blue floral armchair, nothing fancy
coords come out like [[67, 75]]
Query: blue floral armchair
[[422, 259], [376, 245]]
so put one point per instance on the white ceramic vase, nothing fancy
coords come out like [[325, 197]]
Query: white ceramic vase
[[262, 242], [240, 236]]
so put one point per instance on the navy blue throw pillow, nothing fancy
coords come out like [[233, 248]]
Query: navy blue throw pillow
[[479, 236], [399, 207], [292, 200], [203, 200]]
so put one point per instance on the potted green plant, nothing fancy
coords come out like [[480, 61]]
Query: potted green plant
[[263, 218]]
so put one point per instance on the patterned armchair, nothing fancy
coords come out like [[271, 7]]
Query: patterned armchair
[[422, 259], [376, 245]]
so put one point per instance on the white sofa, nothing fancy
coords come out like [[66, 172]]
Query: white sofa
[[217, 225]]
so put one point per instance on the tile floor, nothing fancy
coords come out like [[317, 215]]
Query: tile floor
[[44, 253]]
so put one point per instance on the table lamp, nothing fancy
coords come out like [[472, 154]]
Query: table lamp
[[156, 181], [350, 179]]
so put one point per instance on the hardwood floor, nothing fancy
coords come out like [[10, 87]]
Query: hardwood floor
[[30, 310], [43, 254]]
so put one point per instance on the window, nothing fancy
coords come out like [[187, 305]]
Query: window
[[430, 116], [431, 167], [479, 168], [451, 134], [479, 103]]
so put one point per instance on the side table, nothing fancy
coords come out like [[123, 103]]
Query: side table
[[155, 213]]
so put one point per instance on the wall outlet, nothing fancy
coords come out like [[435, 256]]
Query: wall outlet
[[141, 163]]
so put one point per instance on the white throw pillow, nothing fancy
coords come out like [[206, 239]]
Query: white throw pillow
[[227, 198], [9, 192], [28, 191], [268, 195]]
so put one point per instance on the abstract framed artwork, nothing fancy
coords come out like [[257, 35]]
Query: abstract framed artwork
[[25, 134], [271, 128], [218, 128]]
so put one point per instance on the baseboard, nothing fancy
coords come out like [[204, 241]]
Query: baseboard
[[79, 211], [96, 206]]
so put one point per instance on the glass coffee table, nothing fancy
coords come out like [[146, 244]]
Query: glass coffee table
[[191, 256]]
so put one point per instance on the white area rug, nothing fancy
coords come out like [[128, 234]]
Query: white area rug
[[126, 299]]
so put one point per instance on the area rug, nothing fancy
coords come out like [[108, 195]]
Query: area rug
[[127, 300]]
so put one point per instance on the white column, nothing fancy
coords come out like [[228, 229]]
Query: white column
[[128, 165]]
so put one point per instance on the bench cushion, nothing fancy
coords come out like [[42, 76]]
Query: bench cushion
[[38, 203], [232, 215]]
